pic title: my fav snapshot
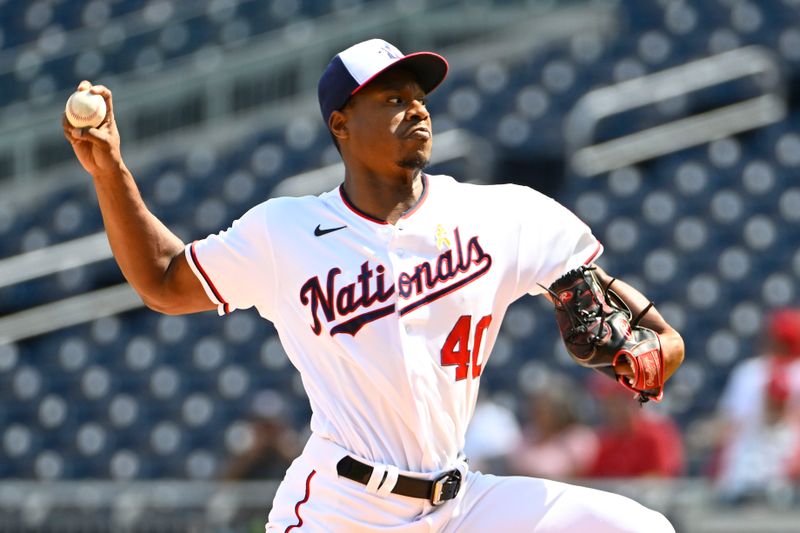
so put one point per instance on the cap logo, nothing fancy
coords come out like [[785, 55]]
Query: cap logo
[[390, 51], [353, 68]]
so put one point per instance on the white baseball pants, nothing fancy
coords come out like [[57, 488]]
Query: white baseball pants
[[313, 499]]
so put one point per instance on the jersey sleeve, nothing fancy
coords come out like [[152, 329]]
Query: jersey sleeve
[[552, 241], [236, 266]]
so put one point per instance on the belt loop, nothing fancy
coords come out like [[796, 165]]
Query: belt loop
[[378, 471], [392, 473]]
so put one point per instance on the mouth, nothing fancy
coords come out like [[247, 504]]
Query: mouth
[[419, 132]]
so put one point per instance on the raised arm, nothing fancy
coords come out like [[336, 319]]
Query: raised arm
[[148, 253]]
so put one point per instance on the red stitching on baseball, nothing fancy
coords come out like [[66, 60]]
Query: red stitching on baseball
[[76, 115]]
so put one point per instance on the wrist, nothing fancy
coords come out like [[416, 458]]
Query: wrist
[[114, 172]]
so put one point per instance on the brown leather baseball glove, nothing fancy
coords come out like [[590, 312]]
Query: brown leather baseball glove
[[598, 331]]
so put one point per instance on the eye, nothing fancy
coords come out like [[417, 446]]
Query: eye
[[395, 100]]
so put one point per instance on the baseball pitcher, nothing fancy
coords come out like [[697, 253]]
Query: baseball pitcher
[[388, 293]]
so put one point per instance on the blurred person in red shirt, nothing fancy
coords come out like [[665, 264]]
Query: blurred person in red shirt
[[759, 412], [632, 441], [742, 401]]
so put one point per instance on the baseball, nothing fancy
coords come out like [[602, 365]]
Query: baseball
[[85, 109]]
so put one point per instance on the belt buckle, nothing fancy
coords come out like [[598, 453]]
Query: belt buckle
[[446, 487]]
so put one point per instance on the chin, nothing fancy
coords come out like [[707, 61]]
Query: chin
[[415, 162]]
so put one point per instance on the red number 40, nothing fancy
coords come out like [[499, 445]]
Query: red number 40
[[456, 348]]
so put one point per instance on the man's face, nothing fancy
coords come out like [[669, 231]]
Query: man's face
[[388, 124]]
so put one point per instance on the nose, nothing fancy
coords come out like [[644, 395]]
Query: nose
[[417, 110]]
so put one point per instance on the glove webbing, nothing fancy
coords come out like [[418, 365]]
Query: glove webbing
[[578, 323]]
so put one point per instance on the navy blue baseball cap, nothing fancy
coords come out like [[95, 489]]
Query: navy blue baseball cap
[[352, 69]]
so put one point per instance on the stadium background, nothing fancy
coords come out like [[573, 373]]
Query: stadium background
[[114, 418]]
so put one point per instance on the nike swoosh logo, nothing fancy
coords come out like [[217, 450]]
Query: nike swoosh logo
[[318, 232]]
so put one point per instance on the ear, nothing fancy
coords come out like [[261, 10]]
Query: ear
[[337, 123]]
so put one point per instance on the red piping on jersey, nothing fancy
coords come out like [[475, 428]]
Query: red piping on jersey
[[407, 214], [225, 306], [299, 523], [596, 251]]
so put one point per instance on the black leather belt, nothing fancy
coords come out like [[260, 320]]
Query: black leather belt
[[437, 491]]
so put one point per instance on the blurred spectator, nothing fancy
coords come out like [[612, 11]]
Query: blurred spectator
[[759, 417], [742, 401], [555, 444], [492, 434], [274, 443], [633, 441]]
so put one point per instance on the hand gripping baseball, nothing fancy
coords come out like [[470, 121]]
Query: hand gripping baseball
[[599, 332], [97, 149]]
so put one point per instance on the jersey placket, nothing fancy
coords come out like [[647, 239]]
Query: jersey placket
[[404, 256]]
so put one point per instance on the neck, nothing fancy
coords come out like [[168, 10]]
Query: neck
[[384, 197]]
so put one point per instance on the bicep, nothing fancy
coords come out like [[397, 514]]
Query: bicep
[[182, 293], [552, 240]]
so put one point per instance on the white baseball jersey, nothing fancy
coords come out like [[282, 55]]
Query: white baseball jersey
[[391, 326]]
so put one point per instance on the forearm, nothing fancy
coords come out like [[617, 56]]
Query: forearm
[[671, 341], [142, 245], [147, 252]]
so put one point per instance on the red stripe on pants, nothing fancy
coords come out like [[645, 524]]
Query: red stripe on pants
[[301, 502]]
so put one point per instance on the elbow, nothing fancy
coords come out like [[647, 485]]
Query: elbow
[[175, 302], [160, 304], [153, 304], [680, 349], [674, 351], [165, 309]]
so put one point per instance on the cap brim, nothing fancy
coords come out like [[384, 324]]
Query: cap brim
[[429, 68]]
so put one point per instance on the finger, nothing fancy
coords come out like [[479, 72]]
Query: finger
[[65, 125], [72, 140], [85, 85], [105, 92], [95, 136], [72, 133]]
